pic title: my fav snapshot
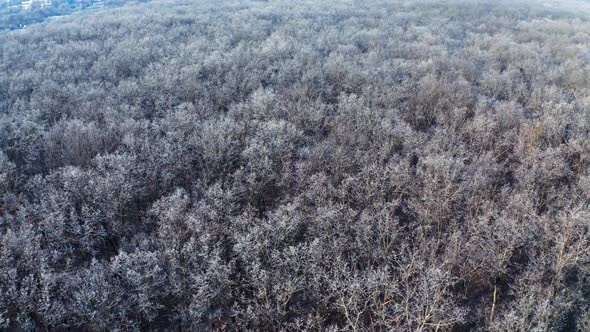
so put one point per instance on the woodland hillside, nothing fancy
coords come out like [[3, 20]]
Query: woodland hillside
[[297, 166]]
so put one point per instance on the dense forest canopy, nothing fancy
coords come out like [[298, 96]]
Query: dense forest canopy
[[297, 165]]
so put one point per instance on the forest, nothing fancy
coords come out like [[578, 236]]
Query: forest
[[341, 165]]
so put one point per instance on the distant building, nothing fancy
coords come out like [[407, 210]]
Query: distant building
[[28, 4]]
